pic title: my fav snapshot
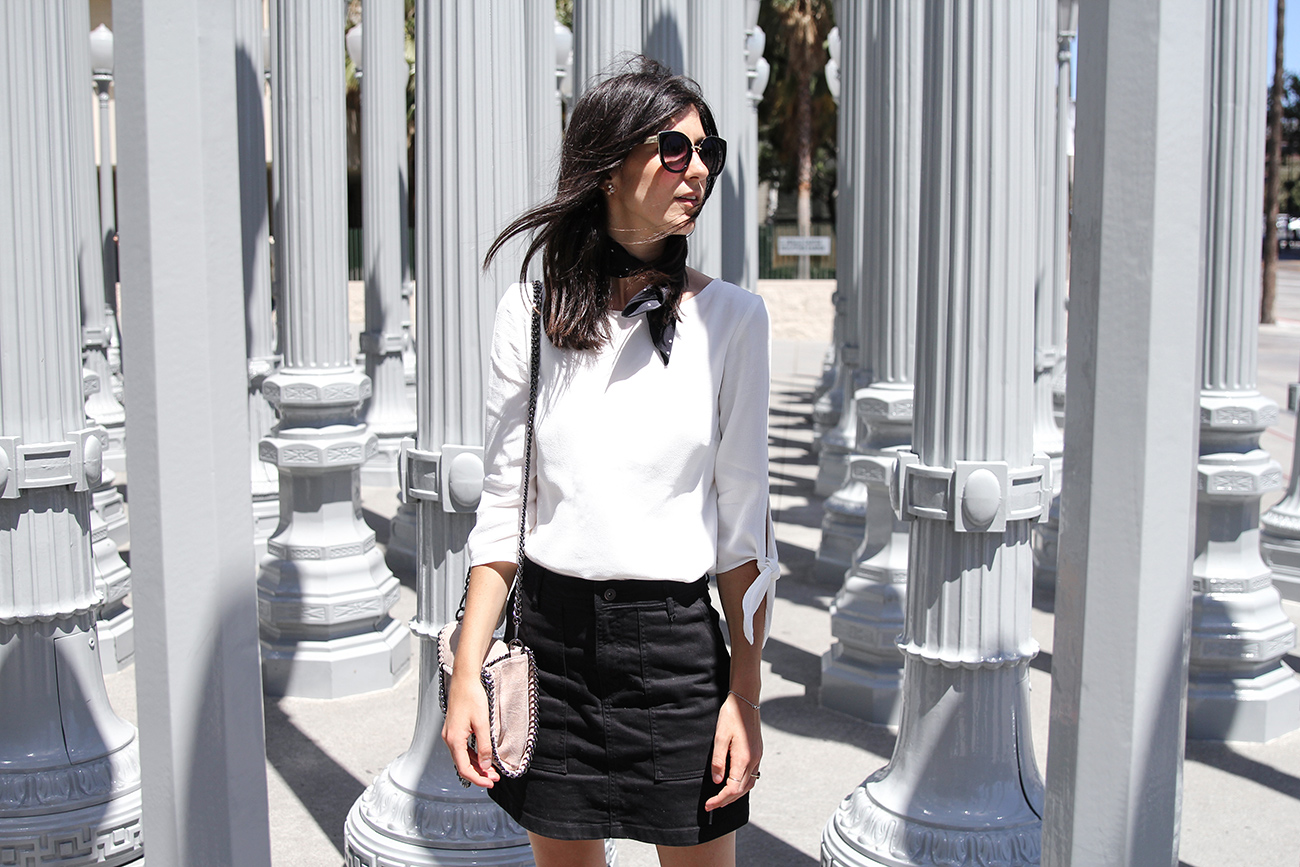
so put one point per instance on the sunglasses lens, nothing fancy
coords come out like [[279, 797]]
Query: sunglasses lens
[[713, 151], [674, 150]]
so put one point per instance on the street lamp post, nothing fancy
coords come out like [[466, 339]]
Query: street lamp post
[[375, 46], [101, 55], [96, 266], [324, 594]]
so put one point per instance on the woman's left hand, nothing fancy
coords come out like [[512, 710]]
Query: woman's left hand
[[738, 738]]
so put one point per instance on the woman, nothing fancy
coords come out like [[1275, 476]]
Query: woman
[[647, 475]]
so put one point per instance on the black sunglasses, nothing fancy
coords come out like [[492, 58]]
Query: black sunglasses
[[675, 150]]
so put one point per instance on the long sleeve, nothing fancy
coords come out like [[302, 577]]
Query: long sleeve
[[745, 530], [495, 534]]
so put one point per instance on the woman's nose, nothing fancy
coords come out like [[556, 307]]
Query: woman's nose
[[697, 168]]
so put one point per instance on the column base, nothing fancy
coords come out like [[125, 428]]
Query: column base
[[380, 471], [111, 507], [869, 692], [115, 454], [1255, 709], [862, 832], [266, 519], [115, 636], [389, 826], [1282, 554], [100, 835], [842, 533], [862, 673], [832, 467], [401, 557], [337, 667]]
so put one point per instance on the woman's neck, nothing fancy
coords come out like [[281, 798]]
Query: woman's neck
[[624, 289], [641, 245]]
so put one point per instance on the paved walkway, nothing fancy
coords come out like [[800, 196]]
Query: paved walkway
[[1241, 801]]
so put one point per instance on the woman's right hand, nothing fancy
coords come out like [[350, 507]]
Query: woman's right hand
[[467, 714]]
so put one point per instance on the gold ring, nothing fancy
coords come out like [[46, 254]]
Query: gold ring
[[756, 774]]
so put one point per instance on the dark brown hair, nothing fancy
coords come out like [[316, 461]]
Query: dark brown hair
[[610, 119]]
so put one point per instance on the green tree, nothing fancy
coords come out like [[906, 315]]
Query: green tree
[[1272, 169], [797, 116]]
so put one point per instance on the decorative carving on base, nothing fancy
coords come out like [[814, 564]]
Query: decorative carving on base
[[391, 827], [863, 829]]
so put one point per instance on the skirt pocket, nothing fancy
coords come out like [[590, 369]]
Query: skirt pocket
[[686, 669]]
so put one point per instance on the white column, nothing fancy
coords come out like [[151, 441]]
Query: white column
[[846, 504], [97, 253], [1239, 687], [324, 592], [1115, 757], [70, 790], [962, 778], [705, 40], [603, 30], [109, 529], [757, 71], [862, 672], [719, 35], [388, 413], [1049, 285], [102, 46], [259, 334], [471, 90], [198, 689]]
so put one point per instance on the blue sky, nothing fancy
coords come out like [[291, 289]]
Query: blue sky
[[1290, 39]]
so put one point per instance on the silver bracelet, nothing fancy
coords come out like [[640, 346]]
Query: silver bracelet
[[742, 698]]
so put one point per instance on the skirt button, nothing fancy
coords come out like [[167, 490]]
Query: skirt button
[[609, 595]]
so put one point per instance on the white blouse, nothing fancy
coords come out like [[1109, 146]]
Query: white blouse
[[640, 470]]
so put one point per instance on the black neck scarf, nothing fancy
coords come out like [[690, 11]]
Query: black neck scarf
[[652, 300]]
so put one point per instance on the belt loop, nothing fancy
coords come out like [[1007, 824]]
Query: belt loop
[[671, 605]]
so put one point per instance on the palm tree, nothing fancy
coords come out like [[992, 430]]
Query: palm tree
[[802, 26], [1273, 179]]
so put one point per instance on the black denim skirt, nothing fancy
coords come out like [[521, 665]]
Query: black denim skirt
[[631, 677]]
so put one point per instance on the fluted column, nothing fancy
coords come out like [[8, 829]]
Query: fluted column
[[108, 511], [1119, 666], [862, 672], [962, 778], [324, 592], [97, 260], [1239, 688], [603, 30], [757, 73], [835, 422], [723, 74], [389, 416], [846, 504], [259, 334], [471, 85], [1049, 290], [69, 766]]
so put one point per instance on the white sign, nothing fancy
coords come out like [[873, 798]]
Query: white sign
[[803, 245]]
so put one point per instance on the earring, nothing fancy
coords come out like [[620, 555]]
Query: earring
[[610, 189]]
